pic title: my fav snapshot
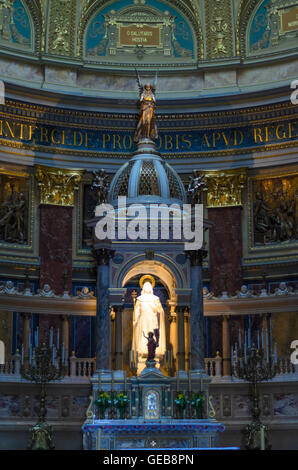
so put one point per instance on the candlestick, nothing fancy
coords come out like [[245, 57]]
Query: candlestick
[[258, 339], [239, 338], [262, 438], [262, 338]]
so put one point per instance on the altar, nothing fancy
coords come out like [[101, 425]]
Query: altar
[[150, 388], [135, 434]]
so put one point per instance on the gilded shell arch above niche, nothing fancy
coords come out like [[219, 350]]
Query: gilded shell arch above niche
[[267, 27], [21, 26], [140, 33]]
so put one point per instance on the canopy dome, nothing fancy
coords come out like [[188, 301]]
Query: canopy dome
[[147, 178]]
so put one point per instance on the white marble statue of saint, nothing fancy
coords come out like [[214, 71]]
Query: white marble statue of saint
[[148, 316]]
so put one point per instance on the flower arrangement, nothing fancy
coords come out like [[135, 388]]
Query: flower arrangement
[[103, 402], [196, 402], [181, 400], [121, 402]]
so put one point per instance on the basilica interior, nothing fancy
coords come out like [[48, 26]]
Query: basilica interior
[[185, 103]]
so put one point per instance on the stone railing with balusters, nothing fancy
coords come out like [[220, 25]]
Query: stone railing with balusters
[[82, 369], [213, 366]]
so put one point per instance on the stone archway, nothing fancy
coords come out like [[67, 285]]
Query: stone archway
[[171, 281], [155, 268]]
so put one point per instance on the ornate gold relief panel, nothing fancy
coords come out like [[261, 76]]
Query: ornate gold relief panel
[[273, 211], [16, 210], [224, 188], [62, 24], [57, 186], [219, 29]]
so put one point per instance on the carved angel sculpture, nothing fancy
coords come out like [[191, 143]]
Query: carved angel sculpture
[[146, 127]]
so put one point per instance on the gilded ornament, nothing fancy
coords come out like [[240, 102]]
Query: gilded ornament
[[224, 187], [219, 23], [57, 186]]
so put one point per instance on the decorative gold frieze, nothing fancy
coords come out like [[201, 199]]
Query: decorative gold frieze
[[57, 186], [219, 29], [224, 187]]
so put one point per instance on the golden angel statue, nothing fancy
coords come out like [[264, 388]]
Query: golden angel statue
[[146, 127], [148, 316]]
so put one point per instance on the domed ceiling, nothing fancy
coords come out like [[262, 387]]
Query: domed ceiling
[[88, 46]]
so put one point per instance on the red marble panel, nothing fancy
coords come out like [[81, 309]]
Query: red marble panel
[[55, 249], [225, 248]]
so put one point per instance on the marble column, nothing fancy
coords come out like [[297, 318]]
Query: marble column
[[26, 331], [118, 338], [197, 350], [181, 338], [226, 346], [186, 331], [103, 321]]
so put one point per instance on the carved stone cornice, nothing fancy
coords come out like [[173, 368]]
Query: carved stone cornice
[[224, 187], [57, 186]]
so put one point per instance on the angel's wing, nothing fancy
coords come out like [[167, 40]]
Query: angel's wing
[[140, 85], [154, 85]]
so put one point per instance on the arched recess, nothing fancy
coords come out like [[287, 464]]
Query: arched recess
[[267, 27], [162, 267], [244, 12], [34, 11], [186, 7]]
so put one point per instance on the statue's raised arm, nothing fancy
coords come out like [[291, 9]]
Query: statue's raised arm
[[146, 127]]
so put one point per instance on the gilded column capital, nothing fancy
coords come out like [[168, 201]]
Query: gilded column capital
[[57, 186], [224, 187]]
